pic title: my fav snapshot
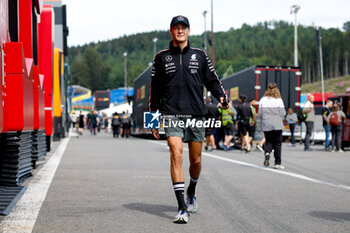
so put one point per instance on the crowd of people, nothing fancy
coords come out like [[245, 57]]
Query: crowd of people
[[94, 122], [239, 123]]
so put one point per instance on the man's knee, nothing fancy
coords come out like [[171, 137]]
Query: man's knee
[[176, 159], [176, 154], [195, 159]]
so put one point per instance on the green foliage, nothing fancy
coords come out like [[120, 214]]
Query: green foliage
[[101, 65], [346, 26]]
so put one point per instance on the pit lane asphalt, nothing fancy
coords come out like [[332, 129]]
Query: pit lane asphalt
[[104, 184]]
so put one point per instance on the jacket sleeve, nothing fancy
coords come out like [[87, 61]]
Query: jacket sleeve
[[155, 85], [211, 79]]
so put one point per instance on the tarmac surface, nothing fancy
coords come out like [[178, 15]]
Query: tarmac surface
[[104, 184]]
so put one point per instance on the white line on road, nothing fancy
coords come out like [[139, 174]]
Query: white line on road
[[23, 217], [291, 174]]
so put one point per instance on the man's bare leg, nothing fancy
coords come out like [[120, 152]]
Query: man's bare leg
[[195, 157], [176, 158], [246, 141], [207, 141], [212, 141], [228, 139], [177, 174]]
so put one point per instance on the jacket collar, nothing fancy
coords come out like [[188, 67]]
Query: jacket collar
[[174, 49]]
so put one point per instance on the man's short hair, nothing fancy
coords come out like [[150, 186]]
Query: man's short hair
[[242, 97]]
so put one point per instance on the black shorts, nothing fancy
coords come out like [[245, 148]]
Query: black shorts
[[243, 128], [251, 131], [209, 131], [228, 129]]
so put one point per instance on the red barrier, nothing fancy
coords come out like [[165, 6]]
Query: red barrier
[[45, 58], [39, 102], [2, 74], [18, 104], [25, 27]]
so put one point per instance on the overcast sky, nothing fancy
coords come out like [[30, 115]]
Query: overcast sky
[[91, 20]]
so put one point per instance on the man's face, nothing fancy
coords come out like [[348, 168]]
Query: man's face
[[330, 104], [180, 33], [311, 98]]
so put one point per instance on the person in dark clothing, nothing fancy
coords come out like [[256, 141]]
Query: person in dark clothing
[[243, 114], [116, 124], [81, 123], [212, 113], [125, 124], [105, 123], [326, 110], [178, 77], [93, 122]]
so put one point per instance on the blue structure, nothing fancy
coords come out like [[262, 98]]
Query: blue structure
[[117, 96]]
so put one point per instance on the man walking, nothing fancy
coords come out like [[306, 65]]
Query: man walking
[[309, 109], [177, 80], [243, 114], [212, 113]]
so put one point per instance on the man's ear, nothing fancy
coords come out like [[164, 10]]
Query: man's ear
[[189, 31]]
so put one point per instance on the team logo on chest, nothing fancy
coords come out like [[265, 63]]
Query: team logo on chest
[[168, 58], [193, 64], [194, 57]]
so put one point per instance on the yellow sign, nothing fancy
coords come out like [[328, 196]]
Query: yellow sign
[[143, 89], [234, 93]]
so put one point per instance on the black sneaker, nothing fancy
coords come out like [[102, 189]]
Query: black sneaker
[[267, 158]]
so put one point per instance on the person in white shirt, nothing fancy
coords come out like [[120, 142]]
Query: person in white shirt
[[272, 112], [309, 108]]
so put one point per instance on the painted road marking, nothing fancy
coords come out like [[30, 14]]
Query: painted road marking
[[291, 174], [23, 217]]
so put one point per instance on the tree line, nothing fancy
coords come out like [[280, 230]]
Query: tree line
[[100, 65]]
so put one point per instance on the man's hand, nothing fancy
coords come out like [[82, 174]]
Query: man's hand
[[155, 133], [224, 103]]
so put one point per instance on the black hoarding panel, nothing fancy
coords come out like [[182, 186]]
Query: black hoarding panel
[[254, 81], [262, 83], [141, 98], [271, 77], [295, 82], [240, 83], [102, 100], [283, 85]]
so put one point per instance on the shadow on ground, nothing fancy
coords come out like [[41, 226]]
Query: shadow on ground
[[332, 216], [158, 210]]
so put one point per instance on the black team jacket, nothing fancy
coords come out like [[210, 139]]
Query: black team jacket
[[177, 81]]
